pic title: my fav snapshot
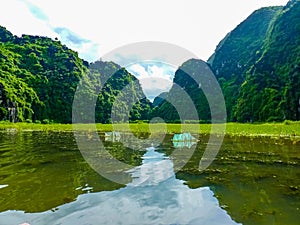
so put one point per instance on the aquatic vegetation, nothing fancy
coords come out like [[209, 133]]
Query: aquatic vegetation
[[290, 130]]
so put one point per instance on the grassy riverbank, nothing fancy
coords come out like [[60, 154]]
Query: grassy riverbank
[[286, 129]]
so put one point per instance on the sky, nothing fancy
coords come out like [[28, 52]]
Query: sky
[[94, 28], [154, 77]]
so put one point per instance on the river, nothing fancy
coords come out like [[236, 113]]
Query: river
[[45, 180]]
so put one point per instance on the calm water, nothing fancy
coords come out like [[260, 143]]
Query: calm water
[[45, 180]]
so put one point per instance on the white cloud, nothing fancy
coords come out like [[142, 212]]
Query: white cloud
[[138, 70], [154, 77], [34, 19], [90, 51], [195, 25], [153, 86]]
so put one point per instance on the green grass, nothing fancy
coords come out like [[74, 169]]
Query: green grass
[[265, 129], [285, 129]]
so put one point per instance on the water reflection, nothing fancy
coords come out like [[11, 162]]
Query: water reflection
[[255, 179], [154, 196], [112, 136], [41, 170]]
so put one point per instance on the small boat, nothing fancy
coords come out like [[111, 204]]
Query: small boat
[[184, 140]]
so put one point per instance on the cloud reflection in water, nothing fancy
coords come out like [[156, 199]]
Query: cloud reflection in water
[[154, 196]]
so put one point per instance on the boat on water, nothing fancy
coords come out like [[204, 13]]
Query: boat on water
[[183, 140]]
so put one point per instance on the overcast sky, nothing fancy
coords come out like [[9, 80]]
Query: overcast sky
[[96, 27]]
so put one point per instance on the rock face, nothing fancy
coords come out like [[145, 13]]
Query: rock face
[[184, 88], [8, 109], [159, 99]]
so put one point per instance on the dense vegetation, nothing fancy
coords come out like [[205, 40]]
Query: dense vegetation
[[271, 90], [257, 66], [168, 108], [118, 83], [239, 50], [39, 77]]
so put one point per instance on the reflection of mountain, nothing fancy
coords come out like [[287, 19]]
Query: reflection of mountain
[[154, 197]]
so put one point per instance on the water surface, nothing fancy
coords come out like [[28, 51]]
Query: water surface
[[45, 180]]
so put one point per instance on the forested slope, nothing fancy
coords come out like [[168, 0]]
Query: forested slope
[[238, 51], [257, 66], [271, 90], [39, 77]]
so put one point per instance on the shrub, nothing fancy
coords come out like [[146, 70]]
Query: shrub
[[45, 121]]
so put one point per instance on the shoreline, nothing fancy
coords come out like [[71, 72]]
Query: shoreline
[[289, 130]]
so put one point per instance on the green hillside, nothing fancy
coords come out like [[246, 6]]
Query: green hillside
[[175, 98], [238, 51], [39, 77], [271, 90], [118, 83], [257, 67]]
